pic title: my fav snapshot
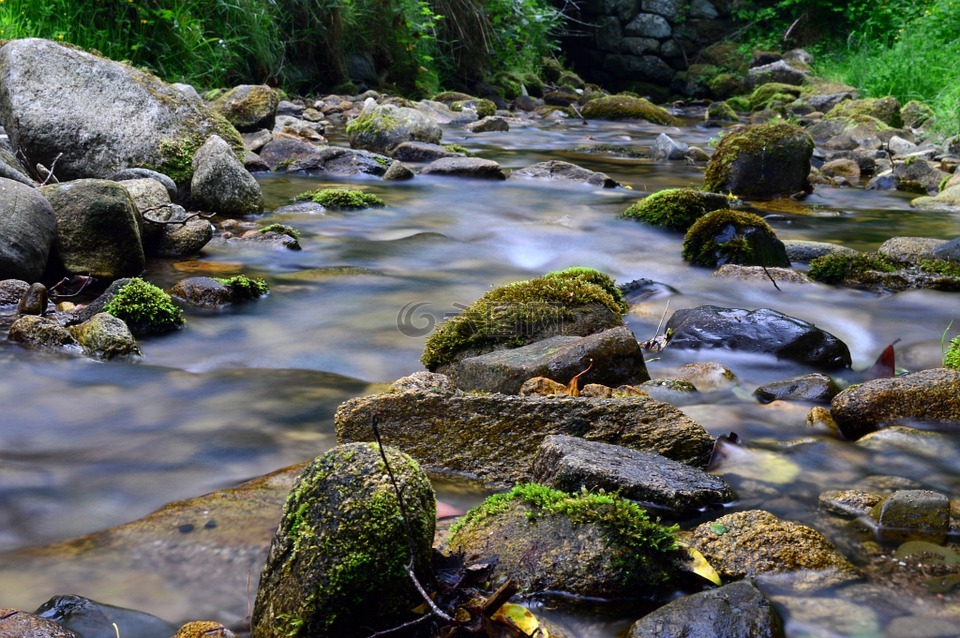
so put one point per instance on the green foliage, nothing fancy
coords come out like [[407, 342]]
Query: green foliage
[[343, 198], [281, 229], [838, 267], [145, 308], [245, 288], [951, 358]]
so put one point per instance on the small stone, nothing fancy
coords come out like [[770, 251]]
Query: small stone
[[34, 301], [913, 515], [848, 503]]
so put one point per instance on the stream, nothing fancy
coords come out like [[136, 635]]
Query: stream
[[241, 392]]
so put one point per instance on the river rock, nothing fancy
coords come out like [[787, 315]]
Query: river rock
[[761, 274], [760, 331], [570, 463], [737, 610], [12, 292], [203, 292], [220, 182], [103, 336], [615, 355], [948, 200], [108, 115], [625, 107], [41, 333], [249, 107], [98, 228], [204, 629], [666, 148], [548, 540], [803, 251], [128, 174], [913, 515], [814, 387], [473, 167], [421, 152], [885, 109], [557, 170], [290, 154], [676, 208], [28, 226], [381, 127], [848, 503], [495, 437], [910, 250], [20, 624], [929, 396], [733, 237], [755, 542], [779, 71], [918, 176], [89, 618], [488, 124], [708, 376], [34, 301], [762, 161], [10, 166], [343, 542], [181, 234]]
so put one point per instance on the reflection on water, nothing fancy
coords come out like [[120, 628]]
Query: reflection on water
[[246, 390]]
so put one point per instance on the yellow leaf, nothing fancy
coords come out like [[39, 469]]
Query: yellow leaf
[[521, 619], [700, 566]]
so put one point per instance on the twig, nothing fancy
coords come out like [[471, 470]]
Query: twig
[[498, 598], [171, 222], [50, 170], [770, 277], [786, 36]]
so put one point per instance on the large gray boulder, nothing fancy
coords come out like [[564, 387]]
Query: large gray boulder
[[28, 228], [220, 182], [101, 115], [98, 228], [762, 161], [381, 127]]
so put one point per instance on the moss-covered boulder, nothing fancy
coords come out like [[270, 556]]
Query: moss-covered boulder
[[676, 208], [879, 273], [762, 161], [381, 127], [733, 237], [249, 107], [584, 544], [719, 113], [765, 94], [885, 109], [916, 114], [625, 107], [576, 301], [337, 565], [145, 308]]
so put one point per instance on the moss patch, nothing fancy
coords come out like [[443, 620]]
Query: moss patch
[[839, 267], [176, 153], [343, 198], [733, 237], [145, 308], [675, 208], [244, 288], [951, 358], [281, 229]]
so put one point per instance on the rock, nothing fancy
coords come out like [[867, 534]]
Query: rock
[[922, 627], [625, 107], [494, 438], [180, 235], [927, 396], [421, 152], [145, 308], [910, 250], [948, 200], [615, 355], [918, 176], [19, 624], [472, 167], [249, 107], [779, 71], [203, 292], [671, 390], [814, 387], [676, 208], [737, 610], [103, 336], [41, 333], [204, 629], [803, 251], [707, 376], [398, 171], [128, 174], [10, 166], [12, 292], [913, 515], [99, 229], [666, 148], [380, 128], [830, 616], [760, 331], [898, 146], [729, 236], [848, 503], [949, 251], [886, 110], [490, 123], [584, 544], [846, 168], [34, 300], [256, 140], [761, 161], [90, 618], [28, 226], [719, 113], [571, 463], [761, 274], [109, 115], [557, 170], [344, 541], [752, 543], [220, 182], [289, 154]]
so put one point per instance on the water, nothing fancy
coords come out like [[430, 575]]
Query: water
[[240, 392]]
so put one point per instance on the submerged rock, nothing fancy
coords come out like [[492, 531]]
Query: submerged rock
[[42, 333], [913, 515], [473, 167], [625, 107], [103, 336], [815, 387], [20, 624]]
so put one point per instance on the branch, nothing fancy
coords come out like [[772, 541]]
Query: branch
[[171, 222]]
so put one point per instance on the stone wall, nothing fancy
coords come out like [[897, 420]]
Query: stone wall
[[631, 43]]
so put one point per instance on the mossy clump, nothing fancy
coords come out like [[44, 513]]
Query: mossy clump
[[885, 109], [482, 107], [951, 358], [765, 94], [940, 267], [675, 208], [720, 112], [282, 229], [573, 301], [343, 198], [624, 107], [145, 308], [245, 288], [459, 148], [733, 237], [837, 268]]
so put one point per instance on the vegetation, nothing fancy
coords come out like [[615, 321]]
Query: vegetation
[[837, 268], [245, 288], [343, 198], [676, 208], [145, 308]]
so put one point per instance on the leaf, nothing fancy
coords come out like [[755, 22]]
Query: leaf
[[700, 566], [573, 389], [933, 554], [519, 619], [884, 366], [717, 528]]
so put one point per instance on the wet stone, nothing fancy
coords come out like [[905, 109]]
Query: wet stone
[[913, 515], [815, 387], [848, 503], [88, 617]]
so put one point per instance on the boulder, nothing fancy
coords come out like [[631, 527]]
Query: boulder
[[220, 182], [761, 274], [42, 333], [762, 161], [729, 236], [103, 336], [203, 292], [760, 331], [381, 127], [108, 115], [928, 396], [804, 251], [778, 71], [737, 610], [910, 250], [570, 464], [666, 148], [918, 176], [421, 152], [99, 229], [175, 232], [290, 154], [625, 107], [557, 170], [947, 200], [615, 356], [10, 167], [128, 174], [494, 438], [676, 208], [249, 107], [885, 109], [35, 300], [814, 387], [344, 541], [145, 308], [203, 629], [12, 291], [473, 167], [28, 226], [489, 124]]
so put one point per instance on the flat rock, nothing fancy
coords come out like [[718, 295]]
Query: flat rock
[[473, 167], [815, 387], [557, 170]]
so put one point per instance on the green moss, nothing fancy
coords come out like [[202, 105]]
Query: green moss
[[738, 103], [623, 107], [886, 110], [839, 267], [176, 153], [145, 308], [343, 198], [675, 208], [721, 237], [458, 148], [951, 358], [765, 94], [779, 141], [482, 107], [512, 314], [245, 288], [940, 267], [281, 229]]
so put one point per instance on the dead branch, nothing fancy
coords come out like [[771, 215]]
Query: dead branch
[[172, 222], [499, 597]]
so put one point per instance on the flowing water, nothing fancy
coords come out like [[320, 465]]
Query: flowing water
[[241, 392]]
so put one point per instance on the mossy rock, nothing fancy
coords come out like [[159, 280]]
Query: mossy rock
[[595, 545], [482, 107], [145, 308], [577, 301], [738, 103], [765, 94], [342, 199], [624, 107], [885, 109], [720, 112], [733, 237], [951, 358], [249, 107], [839, 268], [676, 208], [916, 114], [726, 85], [381, 127], [337, 564], [510, 85], [761, 161], [245, 288]]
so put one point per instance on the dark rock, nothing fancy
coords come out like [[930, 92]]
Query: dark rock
[[811, 388], [737, 610], [806, 251], [761, 331], [950, 251], [565, 171], [676, 208], [287, 152], [103, 336], [12, 291], [28, 226], [913, 515], [762, 161], [34, 301], [729, 236], [473, 167], [204, 292], [421, 152], [571, 463], [918, 176], [91, 619], [221, 183], [928, 396]]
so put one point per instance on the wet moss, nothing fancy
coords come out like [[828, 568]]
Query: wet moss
[[675, 208], [886, 110], [145, 308], [176, 153], [765, 94], [343, 198], [244, 288], [281, 229], [837, 268], [483, 107], [732, 237], [624, 107]]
